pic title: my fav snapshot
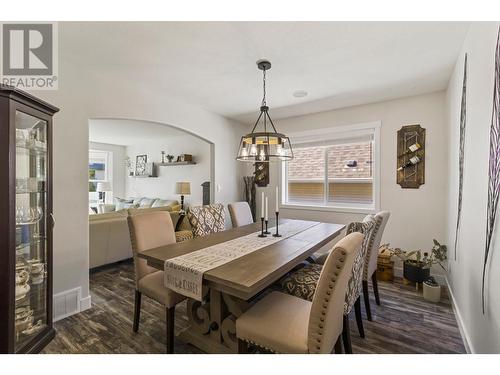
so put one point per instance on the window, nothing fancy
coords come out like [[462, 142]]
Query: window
[[99, 171], [334, 169]]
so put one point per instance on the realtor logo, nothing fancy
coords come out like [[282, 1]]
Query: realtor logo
[[29, 55]]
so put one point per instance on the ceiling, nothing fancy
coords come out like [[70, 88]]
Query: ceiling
[[130, 132], [212, 64]]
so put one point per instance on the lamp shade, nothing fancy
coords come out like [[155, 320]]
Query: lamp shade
[[183, 188], [103, 186]]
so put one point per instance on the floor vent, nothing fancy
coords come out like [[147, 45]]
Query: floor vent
[[66, 303]]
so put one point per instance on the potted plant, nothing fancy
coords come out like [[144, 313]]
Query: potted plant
[[417, 268]]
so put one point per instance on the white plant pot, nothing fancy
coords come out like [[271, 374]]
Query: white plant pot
[[432, 293]]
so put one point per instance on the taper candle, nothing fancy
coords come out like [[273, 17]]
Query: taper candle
[[262, 206], [266, 217], [277, 200]]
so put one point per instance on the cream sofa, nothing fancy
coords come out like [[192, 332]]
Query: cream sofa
[[109, 237]]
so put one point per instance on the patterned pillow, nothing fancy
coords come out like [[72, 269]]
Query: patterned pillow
[[207, 219], [302, 283]]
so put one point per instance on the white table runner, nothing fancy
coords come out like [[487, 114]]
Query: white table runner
[[184, 274]]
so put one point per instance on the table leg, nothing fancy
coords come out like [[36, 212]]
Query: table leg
[[212, 324]]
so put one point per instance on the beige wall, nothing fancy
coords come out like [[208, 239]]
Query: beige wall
[[417, 215], [84, 94], [482, 332]]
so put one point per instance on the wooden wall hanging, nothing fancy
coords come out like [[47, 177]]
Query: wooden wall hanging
[[261, 174], [411, 176]]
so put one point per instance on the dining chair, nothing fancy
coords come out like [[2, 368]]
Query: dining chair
[[240, 214], [283, 323], [207, 219], [303, 282], [370, 269], [148, 231]]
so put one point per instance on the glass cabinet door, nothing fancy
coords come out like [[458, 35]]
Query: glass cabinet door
[[31, 228]]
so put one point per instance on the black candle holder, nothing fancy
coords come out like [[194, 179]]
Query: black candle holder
[[277, 221], [262, 228], [266, 231]]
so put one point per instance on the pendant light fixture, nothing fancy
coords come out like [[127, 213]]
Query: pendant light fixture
[[267, 145]]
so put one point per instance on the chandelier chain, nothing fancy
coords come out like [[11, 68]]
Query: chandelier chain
[[264, 87]]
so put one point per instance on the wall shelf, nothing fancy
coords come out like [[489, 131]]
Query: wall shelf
[[175, 163]]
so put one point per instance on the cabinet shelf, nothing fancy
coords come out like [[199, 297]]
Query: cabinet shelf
[[174, 163]]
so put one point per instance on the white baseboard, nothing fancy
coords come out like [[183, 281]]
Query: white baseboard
[[440, 279], [461, 326], [68, 303]]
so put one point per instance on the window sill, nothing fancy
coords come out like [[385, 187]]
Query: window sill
[[353, 210]]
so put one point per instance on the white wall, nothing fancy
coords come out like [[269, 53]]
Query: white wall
[[84, 94], [118, 168], [417, 215], [164, 185], [482, 331]]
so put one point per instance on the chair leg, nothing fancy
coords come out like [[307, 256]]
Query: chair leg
[[367, 300], [338, 346], [359, 319], [346, 335], [137, 310], [170, 318], [375, 288], [242, 347]]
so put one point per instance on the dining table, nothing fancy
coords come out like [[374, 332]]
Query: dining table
[[230, 289]]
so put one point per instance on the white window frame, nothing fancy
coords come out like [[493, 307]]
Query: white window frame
[[337, 133]]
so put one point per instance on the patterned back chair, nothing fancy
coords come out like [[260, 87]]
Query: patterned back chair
[[207, 219], [370, 267], [302, 283]]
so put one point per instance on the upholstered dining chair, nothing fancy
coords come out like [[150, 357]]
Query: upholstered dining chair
[[207, 219], [369, 271], [303, 282], [286, 324], [148, 231], [240, 214]]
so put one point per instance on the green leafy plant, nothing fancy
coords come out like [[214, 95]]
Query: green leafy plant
[[438, 255]]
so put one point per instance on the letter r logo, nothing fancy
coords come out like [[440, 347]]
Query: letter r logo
[[27, 49]]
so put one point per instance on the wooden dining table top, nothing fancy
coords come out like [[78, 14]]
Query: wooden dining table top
[[246, 276]]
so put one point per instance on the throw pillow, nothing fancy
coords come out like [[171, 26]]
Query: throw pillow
[[207, 219], [120, 203], [147, 202], [163, 203]]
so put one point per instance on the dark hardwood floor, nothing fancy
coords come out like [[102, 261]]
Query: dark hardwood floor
[[404, 323]]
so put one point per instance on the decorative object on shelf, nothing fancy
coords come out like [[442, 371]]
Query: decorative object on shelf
[[102, 188], [26, 222], [250, 193], [183, 188], [417, 268], [261, 174], [150, 171], [206, 192], [170, 158], [411, 157], [494, 169], [461, 151], [264, 146], [184, 157], [432, 290], [140, 165], [163, 156]]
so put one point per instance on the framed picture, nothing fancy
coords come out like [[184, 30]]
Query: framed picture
[[141, 162]]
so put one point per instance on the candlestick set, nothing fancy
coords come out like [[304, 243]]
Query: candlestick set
[[265, 215]]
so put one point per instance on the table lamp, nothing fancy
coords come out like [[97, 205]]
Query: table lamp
[[183, 188], [102, 188]]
